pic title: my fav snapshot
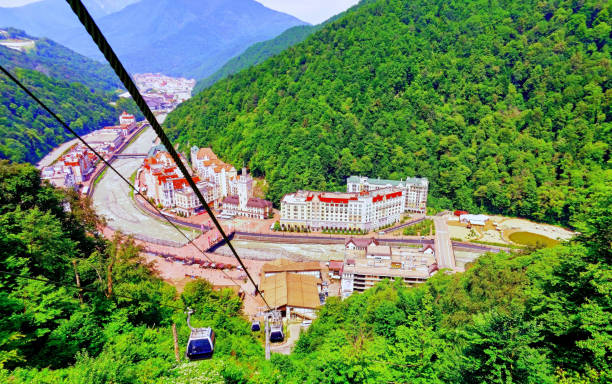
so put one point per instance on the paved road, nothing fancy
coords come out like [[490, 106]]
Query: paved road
[[444, 248], [286, 347], [273, 236], [477, 247], [111, 198]]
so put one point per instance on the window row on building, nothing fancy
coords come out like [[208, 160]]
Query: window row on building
[[365, 210]]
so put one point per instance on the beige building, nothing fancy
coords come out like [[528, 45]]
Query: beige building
[[187, 202], [361, 271], [414, 189], [293, 287], [210, 168], [295, 295], [366, 210]]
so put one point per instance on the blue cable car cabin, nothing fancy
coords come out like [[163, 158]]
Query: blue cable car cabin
[[255, 326], [201, 344], [276, 333]]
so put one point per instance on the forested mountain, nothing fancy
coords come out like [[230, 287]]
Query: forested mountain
[[28, 132], [536, 317], [59, 62], [258, 53], [503, 105]]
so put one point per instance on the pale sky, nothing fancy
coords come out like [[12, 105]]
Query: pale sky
[[312, 11]]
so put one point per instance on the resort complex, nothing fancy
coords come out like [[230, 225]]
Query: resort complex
[[365, 210], [414, 189]]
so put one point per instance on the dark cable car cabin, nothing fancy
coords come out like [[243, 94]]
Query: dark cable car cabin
[[276, 333], [255, 326], [201, 344]]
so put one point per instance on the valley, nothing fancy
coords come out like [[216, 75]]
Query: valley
[[413, 191]]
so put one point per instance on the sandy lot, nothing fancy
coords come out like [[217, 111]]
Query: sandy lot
[[462, 258], [507, 225], [556, 233], [458, 232]]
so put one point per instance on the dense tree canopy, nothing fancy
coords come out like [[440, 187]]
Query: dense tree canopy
[[28, 132], [532, 317], [57, 61], [503, 105]]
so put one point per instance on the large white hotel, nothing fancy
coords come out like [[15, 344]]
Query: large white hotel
[[413, 188], [369, 204], [366, 210]]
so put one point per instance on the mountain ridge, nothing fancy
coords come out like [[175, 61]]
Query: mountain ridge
[[174, 37], [466, 94]]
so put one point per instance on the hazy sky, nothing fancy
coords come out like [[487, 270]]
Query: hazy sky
[[312, 11]]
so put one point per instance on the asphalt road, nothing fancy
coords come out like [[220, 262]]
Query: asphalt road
[[444, 247]]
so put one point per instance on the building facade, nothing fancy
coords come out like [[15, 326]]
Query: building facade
[[377, 263], [365, 210], [414, 189]]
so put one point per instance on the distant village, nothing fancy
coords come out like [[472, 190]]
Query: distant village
[[78, 164], [162, 93]]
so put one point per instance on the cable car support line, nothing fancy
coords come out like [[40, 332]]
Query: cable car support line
[[98, 38], [67, 127]]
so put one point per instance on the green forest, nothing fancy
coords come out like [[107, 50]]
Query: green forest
[[83, 92], [539, 316], [28, 132], [258, 53], [59, 62], [504, 105]]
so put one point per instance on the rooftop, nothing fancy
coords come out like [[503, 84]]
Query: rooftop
[[285, 265], [361, 242], [291, 289]]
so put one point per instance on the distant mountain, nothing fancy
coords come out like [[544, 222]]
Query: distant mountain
[[183, 37], [55, 60], [176, 37], [259, 52], [52, 18]]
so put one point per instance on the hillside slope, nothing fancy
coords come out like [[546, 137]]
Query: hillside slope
[[535, 317], [258, 53], [503, 105], [57, 61], [182, 37], [27, 132]]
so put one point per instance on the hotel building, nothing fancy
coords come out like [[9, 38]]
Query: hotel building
[[413, 188], [365, 210]]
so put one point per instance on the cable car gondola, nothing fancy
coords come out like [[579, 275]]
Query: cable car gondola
[[201, 344], [276, 333], [255, 326]]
